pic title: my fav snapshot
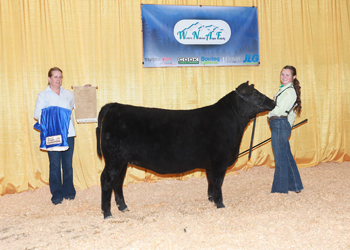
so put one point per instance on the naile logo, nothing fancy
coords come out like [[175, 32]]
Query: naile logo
[[204, 32]]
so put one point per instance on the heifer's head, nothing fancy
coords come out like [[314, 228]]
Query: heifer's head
[[258, 101]]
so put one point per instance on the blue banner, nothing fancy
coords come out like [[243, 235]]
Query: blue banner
[[177, 35]]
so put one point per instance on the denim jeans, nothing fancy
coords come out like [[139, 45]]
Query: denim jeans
[[62, 189], [287, 177]]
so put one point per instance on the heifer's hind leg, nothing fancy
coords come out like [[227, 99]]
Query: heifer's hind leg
[[118, 190], [106, 193], [210, 185]]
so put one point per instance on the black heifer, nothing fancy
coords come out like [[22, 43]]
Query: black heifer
[[174, 141]]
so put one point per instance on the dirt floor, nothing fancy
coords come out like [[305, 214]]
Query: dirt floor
[[174, 214]]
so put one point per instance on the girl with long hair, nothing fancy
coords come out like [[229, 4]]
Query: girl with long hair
[[281, 120]]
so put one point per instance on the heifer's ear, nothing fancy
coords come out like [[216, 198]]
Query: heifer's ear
[[251, 89], [243, 86]]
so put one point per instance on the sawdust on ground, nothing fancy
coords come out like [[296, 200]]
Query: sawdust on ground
[[173, 214]]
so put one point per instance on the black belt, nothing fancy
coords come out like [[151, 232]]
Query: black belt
[[276, 117]]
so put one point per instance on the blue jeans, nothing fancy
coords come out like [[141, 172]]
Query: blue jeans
[[62, 189], [287, 177]]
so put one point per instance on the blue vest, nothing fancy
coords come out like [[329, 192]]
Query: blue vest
[[53, 127]]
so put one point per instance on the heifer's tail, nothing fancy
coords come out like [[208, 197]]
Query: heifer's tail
[[101, 115]]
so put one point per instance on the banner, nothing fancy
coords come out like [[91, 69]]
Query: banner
[[175, 35]]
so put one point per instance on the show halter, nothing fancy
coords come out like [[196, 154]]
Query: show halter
[[249, 101]]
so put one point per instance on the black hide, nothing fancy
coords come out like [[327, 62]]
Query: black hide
[[175, 141]]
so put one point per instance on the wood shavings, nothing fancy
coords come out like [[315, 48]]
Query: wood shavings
[[172, 214]]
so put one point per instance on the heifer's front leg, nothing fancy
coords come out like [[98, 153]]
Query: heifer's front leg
[[218, 179], [106, 191], [210, 184], [118, 190]]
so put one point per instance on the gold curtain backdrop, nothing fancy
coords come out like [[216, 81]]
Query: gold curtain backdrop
[[99, 42]]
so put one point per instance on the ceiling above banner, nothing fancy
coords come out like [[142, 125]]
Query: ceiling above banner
[[178, 35]]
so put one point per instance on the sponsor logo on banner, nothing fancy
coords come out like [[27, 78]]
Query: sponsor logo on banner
[[251, 59], [231, 59], [167, 61], [154, 59], [210, 60], [202, 32], [188, 60]]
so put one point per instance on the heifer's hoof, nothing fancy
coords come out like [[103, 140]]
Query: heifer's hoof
[[109, 217], [125, 210], [211, 199], [220, 205]]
